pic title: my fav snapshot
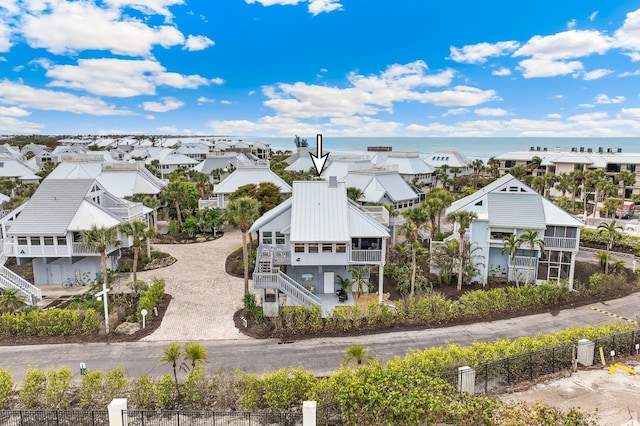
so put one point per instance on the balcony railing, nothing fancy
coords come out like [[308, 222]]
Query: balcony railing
[[365, 256], [560, 243]]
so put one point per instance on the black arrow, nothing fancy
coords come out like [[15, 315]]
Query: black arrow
[[319, 160]]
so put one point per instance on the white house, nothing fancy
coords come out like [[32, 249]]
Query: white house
[[46, 230], [310, 240], [450, 157], [410, 166], [508, 207]]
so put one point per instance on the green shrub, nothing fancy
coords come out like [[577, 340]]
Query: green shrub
[[115, 384], [90, 322], [150, 298], [142, 394], [91, 390], [198, 388], [165, 391], [57, 393], [33, 389], [286, 388], [6, 387]]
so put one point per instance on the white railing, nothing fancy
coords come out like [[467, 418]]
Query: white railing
[[79, 248], [127, 212], [523, 262], [282, 282], [210, 203], [379, 213], [9, 278], [365, 256], [560, 243]]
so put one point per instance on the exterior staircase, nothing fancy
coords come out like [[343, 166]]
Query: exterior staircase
[[9, 279], [266, 277]]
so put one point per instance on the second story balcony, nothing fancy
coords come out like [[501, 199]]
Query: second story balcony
[[561, 243]]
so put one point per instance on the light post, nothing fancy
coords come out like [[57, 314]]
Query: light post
[[102, 295]]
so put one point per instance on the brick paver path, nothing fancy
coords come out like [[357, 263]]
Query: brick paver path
[[205, 297]]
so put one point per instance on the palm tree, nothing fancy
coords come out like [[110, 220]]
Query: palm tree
[[415, 219], [478, 166], [99, 239], [494, 167], [139, 231], [357, 280], [626, 177], [11, 300], [195, 353], [612, 229], [464, 219], [534, 164], [564, 183], [594, 179], [354, 193], [530, 239], [358, 354], [171, 355], [510, 245], [242, 212]]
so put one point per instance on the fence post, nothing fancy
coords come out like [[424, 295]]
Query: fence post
[[116, 408], [309, 413], [466, 380]]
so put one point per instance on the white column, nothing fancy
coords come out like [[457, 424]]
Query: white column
[[115, 408], [308, 413]]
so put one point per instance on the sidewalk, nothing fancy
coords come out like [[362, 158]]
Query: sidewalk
[[205, 297]]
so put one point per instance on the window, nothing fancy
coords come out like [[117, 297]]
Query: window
[[327, 248], [313, 248], [613, 168], [35, 241], [509, 163], [267, 237], [501, 233], [48, 241], [280, 239], [22, 241], [298, 248], [341, 248], [631, 167], [62, 241]]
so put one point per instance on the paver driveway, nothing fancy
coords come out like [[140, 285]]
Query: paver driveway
[[205, 297]]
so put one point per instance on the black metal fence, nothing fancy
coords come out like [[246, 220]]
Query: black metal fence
[[208, 418], [54, 418], [534, 365]]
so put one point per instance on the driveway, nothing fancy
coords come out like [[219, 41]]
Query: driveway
[[205, 297]]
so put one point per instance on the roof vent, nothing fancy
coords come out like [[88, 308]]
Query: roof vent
[[333, 181]]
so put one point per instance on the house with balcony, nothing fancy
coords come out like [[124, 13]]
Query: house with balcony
[[310, 240], [508, 207], [47, 229]]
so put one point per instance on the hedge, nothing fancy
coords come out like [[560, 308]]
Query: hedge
[[54, 322], [150, 298]]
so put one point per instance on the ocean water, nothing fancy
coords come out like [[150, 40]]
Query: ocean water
[[482, 148]]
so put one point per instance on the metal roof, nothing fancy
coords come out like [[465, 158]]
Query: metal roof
[[319, 212], [554, 215], [363, 225]]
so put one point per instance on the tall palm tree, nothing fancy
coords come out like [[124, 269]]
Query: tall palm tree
[[564, 183], [478, 166], [494, 167], [171, 355], [139, 231], [594, 179], [510, 245], [576, 179], [626, 178], [11, 300], [358, 354], [99, 240], [613, 231], [415, 218], [463, 218], [242, 212], [195, 353], [531, 240]]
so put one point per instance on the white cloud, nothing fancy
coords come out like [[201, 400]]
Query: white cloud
[[566, 45], [628, 35], [501, 72], [629, 73], [634, 56], [591, 116], [571, 24], [167, 129], [595, 74], [69, 27], [225, 102], [586, 106], [251, 93], [558, 96], [592, 17], [479, 53], [630, 113], [542, 67], [119, 77], [29, 97], [491, 112], [203, 100], [194, 43], [604, 99], [150, 117], [456, 111], [148, 7], [167, 104], [554, 116], [317, 7]]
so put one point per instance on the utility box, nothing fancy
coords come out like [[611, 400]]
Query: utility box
[[586, 350], [466, 380]]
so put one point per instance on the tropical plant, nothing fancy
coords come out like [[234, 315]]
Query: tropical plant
[[195, 353], [494, 167], [11, 300], [464, 219], [529, 238], [242, 212], [613, 234], [357, 354], [354, 193], [358, 281], [611, 205], [626, 178], [139, 231], [510, 245], [171, 355]]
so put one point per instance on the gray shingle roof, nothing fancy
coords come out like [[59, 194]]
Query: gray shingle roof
[[52, 207], [516, 210]]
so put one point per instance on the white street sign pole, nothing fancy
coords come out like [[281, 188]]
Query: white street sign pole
[[103, 295]]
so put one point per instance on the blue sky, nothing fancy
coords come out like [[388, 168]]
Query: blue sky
[[338, 67]]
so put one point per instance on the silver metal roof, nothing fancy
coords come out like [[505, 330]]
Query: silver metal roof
[[319, 212]]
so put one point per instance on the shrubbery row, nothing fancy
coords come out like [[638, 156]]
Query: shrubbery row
[[625, 243], [54, 322], [150, 298]]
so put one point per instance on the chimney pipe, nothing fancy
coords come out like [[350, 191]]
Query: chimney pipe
[[333, 181]]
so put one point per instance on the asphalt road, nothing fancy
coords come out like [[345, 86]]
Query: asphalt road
[[320, 355]]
